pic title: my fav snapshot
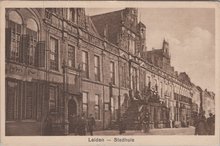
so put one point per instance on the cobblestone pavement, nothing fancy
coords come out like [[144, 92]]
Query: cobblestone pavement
[[164, 131]]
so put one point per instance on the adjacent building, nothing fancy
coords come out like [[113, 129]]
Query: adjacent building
[[208, 102], [61, 63]]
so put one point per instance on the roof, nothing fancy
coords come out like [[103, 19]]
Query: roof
[[140, 24], [156, 51], [91, 27], [199, 88], [184, 77], [111, 21]]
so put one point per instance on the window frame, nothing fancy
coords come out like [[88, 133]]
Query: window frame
[[16, 100], [33, 87], [16, 34], [73, 60], [113, 109], [55, 88], [85, 63], [54, 64], [97, 67], [85, 103], [33, 40], [123, 75], [134, 78], [97, 107], [112, 72]]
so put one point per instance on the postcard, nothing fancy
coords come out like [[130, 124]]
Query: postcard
[[109, 73]]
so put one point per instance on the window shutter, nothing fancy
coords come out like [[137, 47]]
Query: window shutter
[[24, 49], [40, 54], [8, 42]]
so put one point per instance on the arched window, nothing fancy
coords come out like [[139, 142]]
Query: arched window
[[32, 33], [13, 37]]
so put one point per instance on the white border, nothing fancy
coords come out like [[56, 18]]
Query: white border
[[139, 140]]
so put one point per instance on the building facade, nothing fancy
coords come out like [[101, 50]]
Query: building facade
[[60, 63], [208, 102]]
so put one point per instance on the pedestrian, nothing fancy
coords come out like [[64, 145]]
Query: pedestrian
[[77, 128], [214, 124], [70, 123], [91, 124], [210, 124], [83, 124], [201, 128], [74, 123], [48, 126], [171, 122], [145, 123], [195, 122], [121, 126]]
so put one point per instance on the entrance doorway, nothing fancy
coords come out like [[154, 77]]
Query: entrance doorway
[[72, 113]]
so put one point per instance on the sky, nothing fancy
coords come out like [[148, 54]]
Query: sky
[[191, 36]]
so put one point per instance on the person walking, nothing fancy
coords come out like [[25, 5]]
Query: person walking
[[48, 126], [83, 124], [146, 123], [210, 124], [91, 124], [195, 123], [74, 123], [121, 126], [77, 128]]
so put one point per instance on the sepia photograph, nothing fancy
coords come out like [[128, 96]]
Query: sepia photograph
[[109, 71]]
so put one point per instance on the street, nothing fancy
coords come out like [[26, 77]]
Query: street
[[164, 131]]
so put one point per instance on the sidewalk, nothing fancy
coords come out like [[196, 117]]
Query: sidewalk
[[173, 131], [164, 131]]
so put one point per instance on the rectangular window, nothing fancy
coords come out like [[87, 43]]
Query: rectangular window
[[134, 78], [52, 98], [13, 41], [123, 75], [112, 72], [113, 108], [149, 82], [97, 68], [85, 67], [71, 56], [161, 89], [12, 98], [146, 80], [32, 46], [40, 54], [97, 107], [132, 45], [85, 103], [29, 102], [155, 85], [53, 54]]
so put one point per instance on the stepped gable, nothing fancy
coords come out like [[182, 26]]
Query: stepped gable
[[110, 21]]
